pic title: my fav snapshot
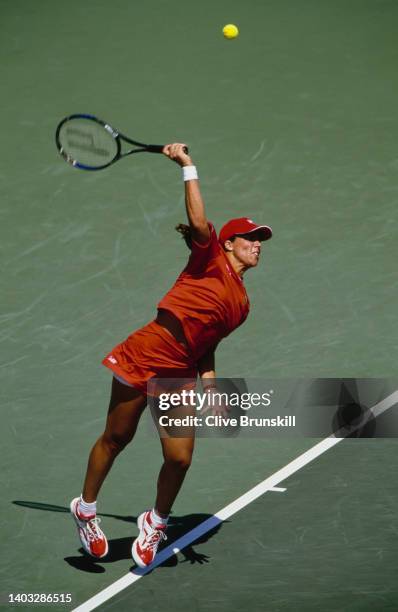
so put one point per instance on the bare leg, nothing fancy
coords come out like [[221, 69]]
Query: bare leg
[[177, 454], [125, 409]]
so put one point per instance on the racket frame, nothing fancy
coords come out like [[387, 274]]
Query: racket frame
[[118, 137]]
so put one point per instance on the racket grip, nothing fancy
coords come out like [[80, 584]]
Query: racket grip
[[159, 149], [154, 148]]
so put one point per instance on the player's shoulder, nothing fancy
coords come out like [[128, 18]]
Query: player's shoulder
[[210, 243], [202, 254]]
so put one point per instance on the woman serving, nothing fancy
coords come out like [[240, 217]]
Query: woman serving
[[207, 302]]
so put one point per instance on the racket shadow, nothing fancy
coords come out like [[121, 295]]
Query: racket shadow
[[53, 508]]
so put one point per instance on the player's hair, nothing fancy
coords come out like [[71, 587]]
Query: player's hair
[[186, 234]]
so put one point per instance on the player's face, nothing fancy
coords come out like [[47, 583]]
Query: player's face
[[247, 249]]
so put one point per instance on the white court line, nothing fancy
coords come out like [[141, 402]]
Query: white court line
[[223, 514]]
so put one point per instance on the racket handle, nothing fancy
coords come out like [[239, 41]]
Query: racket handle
[[152, 148]]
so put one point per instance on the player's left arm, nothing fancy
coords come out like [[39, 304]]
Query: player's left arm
[[207, 369], [207, 373]]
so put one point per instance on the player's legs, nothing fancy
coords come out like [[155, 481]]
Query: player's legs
[[125, 409], [152, 524], [177, 453]]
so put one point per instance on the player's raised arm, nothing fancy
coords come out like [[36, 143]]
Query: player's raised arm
[[193, 199]]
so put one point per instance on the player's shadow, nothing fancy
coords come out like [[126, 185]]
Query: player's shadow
[[120, 548]]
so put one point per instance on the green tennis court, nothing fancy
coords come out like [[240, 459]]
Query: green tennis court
[[294, 124]]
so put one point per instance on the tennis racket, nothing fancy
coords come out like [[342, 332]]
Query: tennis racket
[[88, 143]]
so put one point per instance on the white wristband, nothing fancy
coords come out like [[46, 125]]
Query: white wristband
[[189, 173]]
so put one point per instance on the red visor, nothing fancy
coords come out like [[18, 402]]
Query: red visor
[[243, 225]]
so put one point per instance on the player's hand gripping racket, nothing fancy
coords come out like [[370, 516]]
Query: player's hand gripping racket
[[89, 143]]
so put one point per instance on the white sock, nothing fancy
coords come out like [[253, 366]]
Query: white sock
[[87, 508], [158, 520]]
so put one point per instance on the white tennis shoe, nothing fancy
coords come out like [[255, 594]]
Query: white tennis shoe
[[91, 535], [145, 546]]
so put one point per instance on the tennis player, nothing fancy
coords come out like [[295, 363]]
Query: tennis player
[[207, 302]]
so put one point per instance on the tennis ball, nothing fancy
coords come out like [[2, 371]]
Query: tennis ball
[[230, 30]]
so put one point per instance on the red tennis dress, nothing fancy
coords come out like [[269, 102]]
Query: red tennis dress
[[210, 301]]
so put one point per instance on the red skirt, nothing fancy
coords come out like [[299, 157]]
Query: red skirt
[[153, 353]]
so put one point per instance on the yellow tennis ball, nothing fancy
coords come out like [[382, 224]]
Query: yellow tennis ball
[[230, 30]]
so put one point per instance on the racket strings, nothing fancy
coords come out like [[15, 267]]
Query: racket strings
[[79, 139], [87, 143]]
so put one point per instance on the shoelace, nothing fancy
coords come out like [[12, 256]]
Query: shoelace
[[153, 539], [93, 530]]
